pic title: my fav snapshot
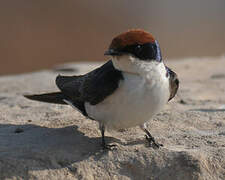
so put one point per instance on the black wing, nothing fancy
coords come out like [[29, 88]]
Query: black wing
[[92, 87], [173, 82]]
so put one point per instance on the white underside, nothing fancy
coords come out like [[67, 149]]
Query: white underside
[[138, 98]]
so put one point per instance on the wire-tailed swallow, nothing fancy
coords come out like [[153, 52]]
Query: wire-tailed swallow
[[124, 92]]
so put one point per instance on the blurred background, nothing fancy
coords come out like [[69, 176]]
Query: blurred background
[[41, 34]]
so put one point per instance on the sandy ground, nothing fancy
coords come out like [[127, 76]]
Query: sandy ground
[[47, 141]]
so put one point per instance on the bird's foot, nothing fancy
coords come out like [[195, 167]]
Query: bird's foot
[[152, 142], [109, 147], [104, 145]]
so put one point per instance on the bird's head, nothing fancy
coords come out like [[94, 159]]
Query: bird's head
[[133, 46]]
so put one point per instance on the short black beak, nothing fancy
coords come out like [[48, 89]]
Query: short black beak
[[112, 52]]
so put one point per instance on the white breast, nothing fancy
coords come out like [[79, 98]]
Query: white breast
[[136, 100]]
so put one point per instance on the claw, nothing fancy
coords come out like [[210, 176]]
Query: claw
[[109, 147], [152, 142], [104, 145]]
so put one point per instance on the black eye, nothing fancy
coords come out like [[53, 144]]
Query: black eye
[[138, 49], [147, 51]]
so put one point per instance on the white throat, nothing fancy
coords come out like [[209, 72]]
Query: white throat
[[131, 64]]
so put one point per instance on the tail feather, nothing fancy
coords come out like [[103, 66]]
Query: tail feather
[[55, 97]]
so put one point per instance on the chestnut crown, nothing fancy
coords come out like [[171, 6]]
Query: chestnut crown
[[138, 43]]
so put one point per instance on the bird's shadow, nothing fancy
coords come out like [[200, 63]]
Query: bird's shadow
[[208, 110], [49, 148]]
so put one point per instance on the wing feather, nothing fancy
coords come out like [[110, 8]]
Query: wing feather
[[92, 87]]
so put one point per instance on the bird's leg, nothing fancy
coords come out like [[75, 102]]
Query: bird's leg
[[103, 137], [104, 145], [150, 138]]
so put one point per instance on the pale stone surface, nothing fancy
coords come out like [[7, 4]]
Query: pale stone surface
[[47, 141]]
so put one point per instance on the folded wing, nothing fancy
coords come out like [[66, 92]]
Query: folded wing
[[92, 87]]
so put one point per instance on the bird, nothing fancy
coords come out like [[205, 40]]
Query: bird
[[126, 91]]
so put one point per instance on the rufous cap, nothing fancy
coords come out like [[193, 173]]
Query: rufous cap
[[131, 37]]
